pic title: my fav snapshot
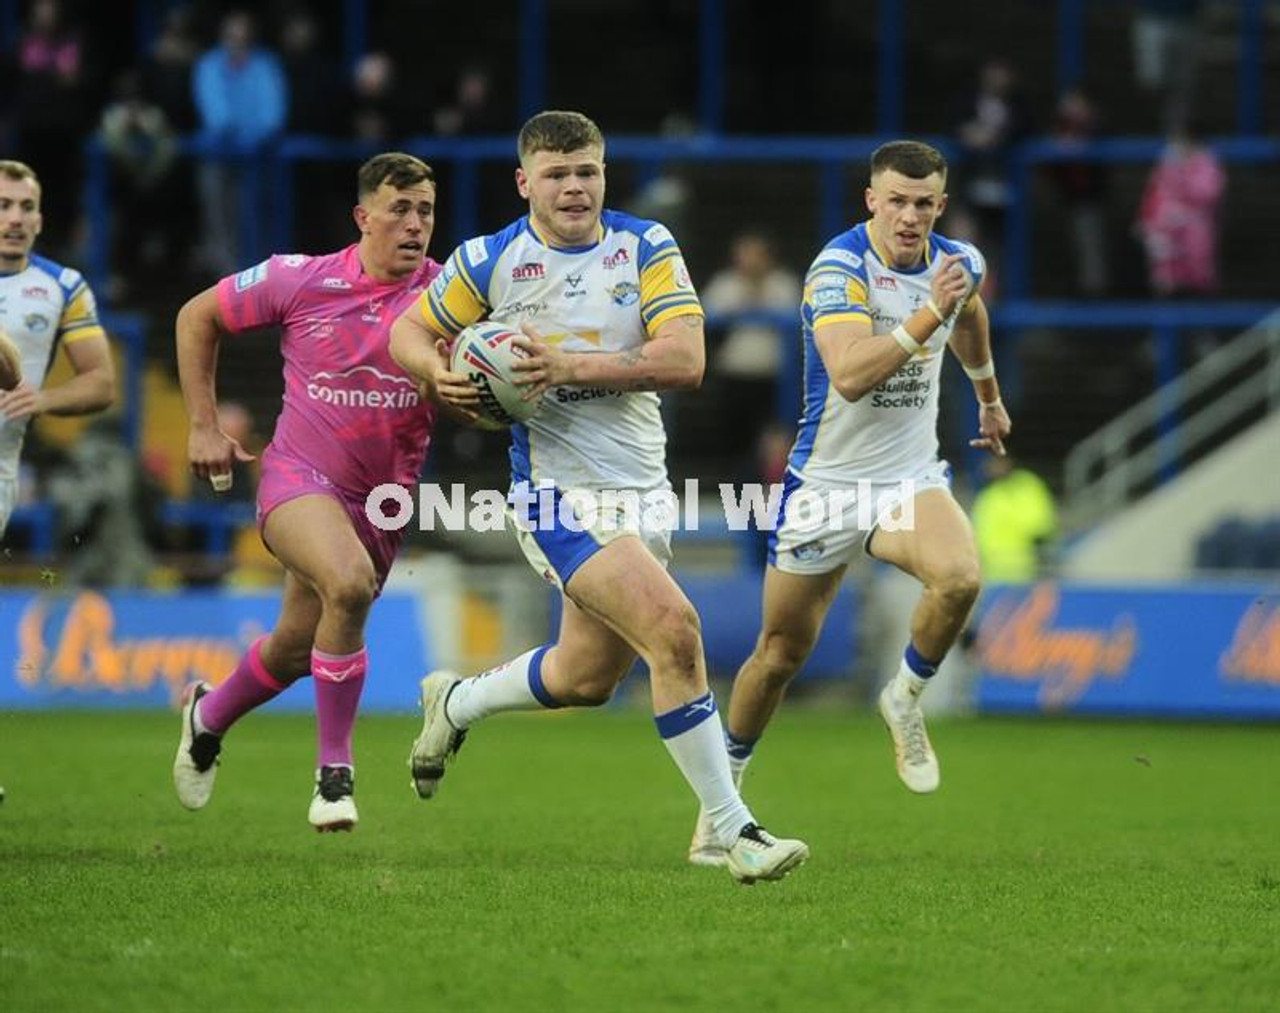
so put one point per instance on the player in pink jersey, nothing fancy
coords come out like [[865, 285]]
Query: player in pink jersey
[[352, 419]]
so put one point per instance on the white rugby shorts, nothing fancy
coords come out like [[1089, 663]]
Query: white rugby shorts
[[565, 528], [820, 527]]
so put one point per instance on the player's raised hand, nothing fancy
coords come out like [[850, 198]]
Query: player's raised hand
[[952, 284], [545, 365], [211, 453], [994, 425]]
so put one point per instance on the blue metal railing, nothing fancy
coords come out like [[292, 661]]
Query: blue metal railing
[[219, 522], [40, 522], [833, 157], [129, 331], [274, 167]]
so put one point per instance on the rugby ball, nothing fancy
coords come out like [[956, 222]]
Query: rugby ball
[[485, 354], [10, 362]]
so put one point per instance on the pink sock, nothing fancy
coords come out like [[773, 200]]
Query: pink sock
[[249, 686], [339, 679]]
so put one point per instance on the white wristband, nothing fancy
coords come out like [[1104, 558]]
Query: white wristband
[[984, 372], [997, 403], [907, 343], [932, 307]]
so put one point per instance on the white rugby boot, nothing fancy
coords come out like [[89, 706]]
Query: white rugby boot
[[438, 742], [757, 854], [196, 765], [332, 806], [917, 764], [705, 848]]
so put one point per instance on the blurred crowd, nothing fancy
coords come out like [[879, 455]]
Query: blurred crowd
[[237, 81], [234, 82]]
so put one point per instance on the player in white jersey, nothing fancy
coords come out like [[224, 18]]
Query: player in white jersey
[[610, 317], [882, 302], [43, 305]]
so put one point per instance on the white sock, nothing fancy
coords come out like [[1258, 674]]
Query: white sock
[[907, 686], [514, 686], [695, 740], [737, 768]]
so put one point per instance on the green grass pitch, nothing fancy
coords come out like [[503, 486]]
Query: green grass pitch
[[1063, 866]]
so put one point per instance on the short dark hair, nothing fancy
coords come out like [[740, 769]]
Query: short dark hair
[[560, 131], [18, 171], [911, 158], [394, 168]]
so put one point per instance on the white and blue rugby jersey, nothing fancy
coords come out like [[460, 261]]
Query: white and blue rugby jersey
[[39, 306], [607, 296], [891, 432]]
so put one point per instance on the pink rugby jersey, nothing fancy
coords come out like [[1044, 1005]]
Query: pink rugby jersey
[[349, 410]]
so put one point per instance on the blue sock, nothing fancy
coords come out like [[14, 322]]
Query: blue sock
[[739, 749], [536, 686], [918, 663]]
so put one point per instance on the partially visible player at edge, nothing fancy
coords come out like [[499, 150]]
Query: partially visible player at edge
[[607, 305], [882, 301], [42, 304], [351, 420]]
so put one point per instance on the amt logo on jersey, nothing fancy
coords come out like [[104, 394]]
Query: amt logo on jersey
[[528, 272], [618, 259]]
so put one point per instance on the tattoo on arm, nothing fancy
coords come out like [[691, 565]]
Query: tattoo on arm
[[634, 357]]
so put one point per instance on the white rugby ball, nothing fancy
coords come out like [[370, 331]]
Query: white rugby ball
[[484, 352], [10, 362]]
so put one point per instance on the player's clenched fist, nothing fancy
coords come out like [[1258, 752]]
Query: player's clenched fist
[[952, 284]]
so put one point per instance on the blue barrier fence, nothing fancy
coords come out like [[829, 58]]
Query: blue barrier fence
[[1187, 651], [1192, 651], [139, 649]]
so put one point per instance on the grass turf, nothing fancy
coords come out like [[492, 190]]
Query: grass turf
[[1062, 866]]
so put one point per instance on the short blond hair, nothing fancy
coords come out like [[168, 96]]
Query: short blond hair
[[560, 131], [18, 170]]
